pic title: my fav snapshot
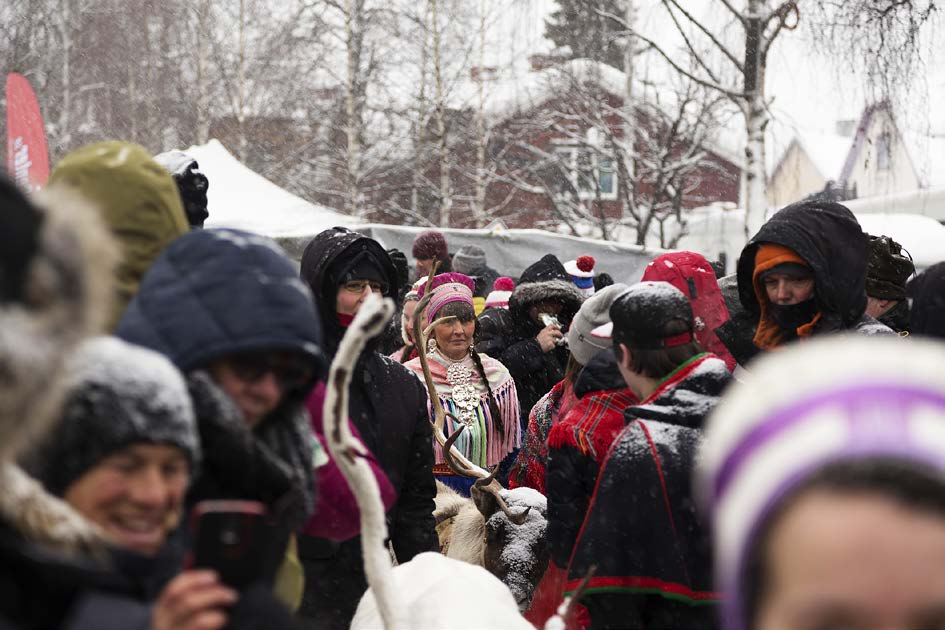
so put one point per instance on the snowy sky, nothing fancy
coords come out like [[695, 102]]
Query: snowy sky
[[808, 92]]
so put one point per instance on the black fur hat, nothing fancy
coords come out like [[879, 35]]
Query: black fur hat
[[889, 269]]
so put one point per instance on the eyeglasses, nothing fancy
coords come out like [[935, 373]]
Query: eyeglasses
[[358, 286], [290, 372]]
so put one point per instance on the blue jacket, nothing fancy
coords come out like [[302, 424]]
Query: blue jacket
[[217, 292]]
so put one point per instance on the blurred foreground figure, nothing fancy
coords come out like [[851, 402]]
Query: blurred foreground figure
[[825, 474]]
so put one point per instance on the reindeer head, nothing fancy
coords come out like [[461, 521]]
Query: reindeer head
[[516, 549]]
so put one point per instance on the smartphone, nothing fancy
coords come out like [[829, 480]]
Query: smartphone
[[230, 538]]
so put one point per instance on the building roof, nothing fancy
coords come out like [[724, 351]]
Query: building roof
[[512, 94]]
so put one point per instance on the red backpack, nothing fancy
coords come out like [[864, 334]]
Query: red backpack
[[692, 274]]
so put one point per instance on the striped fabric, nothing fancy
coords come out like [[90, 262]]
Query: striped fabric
[[483, 443]]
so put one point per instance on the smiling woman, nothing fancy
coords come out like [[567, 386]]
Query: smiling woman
[[125, 448]]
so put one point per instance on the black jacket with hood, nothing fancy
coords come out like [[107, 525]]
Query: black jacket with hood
[[214, 293], [829, 238], [509, 335], [388, 405], [927, 291], [642, 529], [572, 471]]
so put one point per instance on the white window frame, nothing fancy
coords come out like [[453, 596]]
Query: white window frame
[[571, 152]]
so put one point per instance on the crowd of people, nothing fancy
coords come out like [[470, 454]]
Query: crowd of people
[[762, 450]]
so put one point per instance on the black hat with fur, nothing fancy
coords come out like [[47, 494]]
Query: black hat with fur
[[889, 269], [545, 280]]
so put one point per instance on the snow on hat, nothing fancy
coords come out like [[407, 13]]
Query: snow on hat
[[118, 394], [581, 271], [824, 402], [640, 316], [446, 288], [501, 292], [469, 259], [594, 312], [430, 244]]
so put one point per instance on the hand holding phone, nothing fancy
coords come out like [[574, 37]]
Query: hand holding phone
[[193, 599]]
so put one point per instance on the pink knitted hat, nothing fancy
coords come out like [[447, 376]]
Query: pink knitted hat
[[446, 288]]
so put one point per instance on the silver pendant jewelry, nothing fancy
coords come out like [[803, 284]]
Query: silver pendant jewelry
[[465, 395]]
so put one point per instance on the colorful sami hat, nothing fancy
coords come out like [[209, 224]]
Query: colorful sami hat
[[823, 402], [446, 288]]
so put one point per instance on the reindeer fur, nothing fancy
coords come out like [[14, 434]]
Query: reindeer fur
[[68, 297]]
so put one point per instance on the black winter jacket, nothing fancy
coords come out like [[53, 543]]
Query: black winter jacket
[[388, 406], [642, 529], [927, 291], [827, 236], [509, 335], [572, 472]]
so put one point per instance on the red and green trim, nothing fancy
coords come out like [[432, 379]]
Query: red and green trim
[[646, 586], [679, 374]]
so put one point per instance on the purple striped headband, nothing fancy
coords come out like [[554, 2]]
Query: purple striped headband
[[446, 288]]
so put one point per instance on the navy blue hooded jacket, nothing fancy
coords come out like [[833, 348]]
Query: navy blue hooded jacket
[[196, 303], [213, 293]]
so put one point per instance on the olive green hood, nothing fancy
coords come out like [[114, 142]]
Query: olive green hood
[[139, 202]]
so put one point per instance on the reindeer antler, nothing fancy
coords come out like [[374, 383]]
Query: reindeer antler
[[345, 448]]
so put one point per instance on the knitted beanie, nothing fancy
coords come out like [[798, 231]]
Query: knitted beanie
[[888, 269], [430, 244], [594, 312], [581, 271], [118, 394], [469, 259], [827, 401], [501, 292], [446, 288]]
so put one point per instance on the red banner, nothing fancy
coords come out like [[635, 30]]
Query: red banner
[[27, 155]]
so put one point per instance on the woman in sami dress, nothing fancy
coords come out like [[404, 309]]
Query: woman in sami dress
[[476, 389]]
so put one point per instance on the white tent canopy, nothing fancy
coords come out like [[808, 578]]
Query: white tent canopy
[[240, 198]]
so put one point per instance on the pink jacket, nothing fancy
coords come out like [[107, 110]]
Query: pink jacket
[[336, 514]]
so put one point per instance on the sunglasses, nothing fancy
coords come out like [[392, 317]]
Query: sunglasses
[[358, 286], [291, 373]]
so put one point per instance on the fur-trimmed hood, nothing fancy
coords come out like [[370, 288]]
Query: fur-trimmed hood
[[525, 295], [67, 296]]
